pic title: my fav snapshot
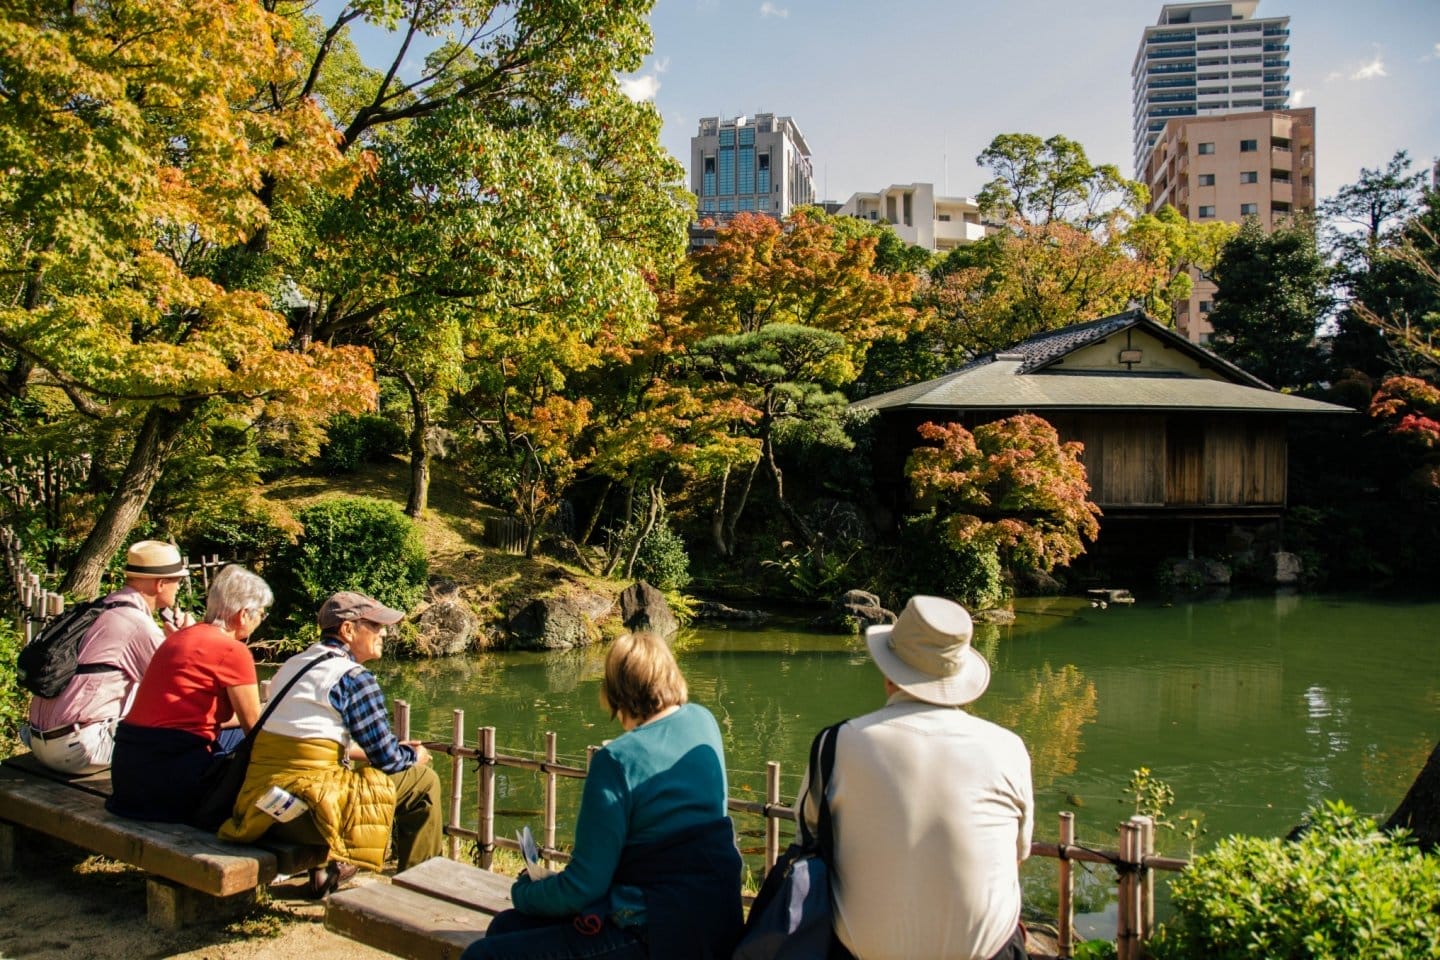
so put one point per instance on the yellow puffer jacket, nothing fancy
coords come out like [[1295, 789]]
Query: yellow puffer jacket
[[352, 808]]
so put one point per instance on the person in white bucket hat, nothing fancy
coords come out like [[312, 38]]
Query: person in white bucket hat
[[932, 805], [74, 731]]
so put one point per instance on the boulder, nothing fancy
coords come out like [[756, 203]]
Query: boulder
[[642, 607], [711, 610], [857, 598], [1200, 572], [853, 612], [549, 624], [446, 627], [1284, 568]]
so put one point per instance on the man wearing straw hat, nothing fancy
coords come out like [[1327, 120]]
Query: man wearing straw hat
[[931, 806], [74, 731]]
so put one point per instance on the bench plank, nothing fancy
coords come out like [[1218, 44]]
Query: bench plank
[[458, 883], [404, 922], [173, 851]]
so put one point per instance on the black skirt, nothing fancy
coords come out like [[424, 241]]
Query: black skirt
[[155, 772]]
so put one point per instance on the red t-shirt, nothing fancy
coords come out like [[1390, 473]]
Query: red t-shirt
[[185, 686]]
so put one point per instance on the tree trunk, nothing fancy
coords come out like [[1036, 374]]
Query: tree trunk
[[1419, 812], [733, 521], [419, 497], [717, 517], [802, 529], [160, 433], [655, 507]]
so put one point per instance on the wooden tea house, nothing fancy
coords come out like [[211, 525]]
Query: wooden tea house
[[1170, 429]]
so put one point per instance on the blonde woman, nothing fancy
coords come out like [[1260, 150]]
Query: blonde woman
[[655, 871]]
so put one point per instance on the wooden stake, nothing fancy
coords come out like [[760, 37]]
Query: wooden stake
[[457, 781], [486, 797], [550, 782], [1066, 921]]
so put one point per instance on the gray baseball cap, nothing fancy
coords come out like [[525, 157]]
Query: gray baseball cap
[[346, 606]]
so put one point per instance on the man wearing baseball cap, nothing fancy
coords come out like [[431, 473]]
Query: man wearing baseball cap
[[74, 731], [329, 743], [931, 807]]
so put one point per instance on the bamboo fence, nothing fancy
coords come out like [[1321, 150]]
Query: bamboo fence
[[1135, 862]]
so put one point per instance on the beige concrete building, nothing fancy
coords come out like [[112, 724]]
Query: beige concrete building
[[1229, 168], [918, 216]]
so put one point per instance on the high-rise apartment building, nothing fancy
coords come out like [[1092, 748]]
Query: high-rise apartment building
[[1206, 59], [918, 216], [1230, 168], [758, 164], [1214, 135]]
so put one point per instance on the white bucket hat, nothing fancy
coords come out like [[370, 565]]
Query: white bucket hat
[[927, 653], [154, 560]]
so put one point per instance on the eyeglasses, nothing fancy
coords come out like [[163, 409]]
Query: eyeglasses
[[376, 628]]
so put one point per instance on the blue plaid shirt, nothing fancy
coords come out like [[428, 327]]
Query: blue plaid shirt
[[361, 704]]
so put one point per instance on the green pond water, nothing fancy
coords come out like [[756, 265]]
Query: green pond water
[[1252, 709]]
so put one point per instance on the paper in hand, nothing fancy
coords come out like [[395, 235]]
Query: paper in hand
[[530, 851]]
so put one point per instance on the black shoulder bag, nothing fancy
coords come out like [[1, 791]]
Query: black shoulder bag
[[225, 777], [792, 917]]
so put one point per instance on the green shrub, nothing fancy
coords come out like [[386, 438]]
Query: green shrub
[[13, 700], [969, 573], [351, 543], [1344, 889], [662, 560], [248, 530], [368, 438]]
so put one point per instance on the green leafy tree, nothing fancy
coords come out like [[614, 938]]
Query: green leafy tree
[[1272, 292], [1052, 180], [165, 202], [1381, 232], [1010, 483]]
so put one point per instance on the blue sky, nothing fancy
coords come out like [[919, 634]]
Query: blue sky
[[911, 90]]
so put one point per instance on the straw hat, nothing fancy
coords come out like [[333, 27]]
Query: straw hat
[[927, 653], [154, 560]]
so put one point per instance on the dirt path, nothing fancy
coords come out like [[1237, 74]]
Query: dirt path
[[95, 910]]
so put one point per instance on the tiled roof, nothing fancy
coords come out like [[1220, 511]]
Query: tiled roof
[[1022, 378]]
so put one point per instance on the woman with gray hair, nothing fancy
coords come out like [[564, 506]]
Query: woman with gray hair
[[196, 701]]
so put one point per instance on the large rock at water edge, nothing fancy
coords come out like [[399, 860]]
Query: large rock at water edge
[[1285, 567], [446, 627], [642, 607], [550, 624]]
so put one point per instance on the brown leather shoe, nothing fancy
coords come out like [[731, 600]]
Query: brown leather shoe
[[329, 878]]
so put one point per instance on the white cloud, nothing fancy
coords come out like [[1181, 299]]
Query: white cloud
[[663, 65], [1298, 97], [1333, 76], [768, 9], [643, 87], [1375, 68]]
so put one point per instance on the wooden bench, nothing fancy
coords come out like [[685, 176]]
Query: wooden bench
[[432, 911], [192, 873]]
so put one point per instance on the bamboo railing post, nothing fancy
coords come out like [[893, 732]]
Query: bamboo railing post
[[402, 719], [457, 781], [772, 825], [485, 797], [550, 784], [1127, 934], [1146, 919], [1065, 925]]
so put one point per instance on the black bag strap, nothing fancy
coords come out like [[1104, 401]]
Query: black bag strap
[[822, 765], [275, 700]]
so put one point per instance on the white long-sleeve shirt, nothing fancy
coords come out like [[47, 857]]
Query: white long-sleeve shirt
[[932, 810]]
